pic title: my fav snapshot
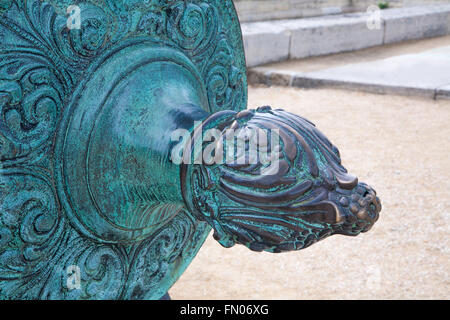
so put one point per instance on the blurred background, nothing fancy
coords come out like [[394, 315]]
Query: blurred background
[[374, 76], [257, 10]]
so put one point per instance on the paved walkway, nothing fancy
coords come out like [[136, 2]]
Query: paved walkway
[[419, 68]]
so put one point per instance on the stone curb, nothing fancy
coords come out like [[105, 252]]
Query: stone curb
[[308, 81], [274, 41], [443, 92]]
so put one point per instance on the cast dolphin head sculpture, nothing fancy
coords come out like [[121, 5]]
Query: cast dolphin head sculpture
[[301, 196]]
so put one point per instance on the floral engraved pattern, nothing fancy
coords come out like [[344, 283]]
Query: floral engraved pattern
[[42, 62]]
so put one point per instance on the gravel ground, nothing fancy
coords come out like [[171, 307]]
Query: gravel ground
[[398, 145]]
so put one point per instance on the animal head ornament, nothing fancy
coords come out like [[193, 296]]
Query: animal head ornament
[[301, 196]]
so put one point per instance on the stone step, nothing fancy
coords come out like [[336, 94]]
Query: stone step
[[272, 41], [423, 72]]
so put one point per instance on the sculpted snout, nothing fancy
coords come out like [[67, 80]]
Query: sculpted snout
[[358, 207], [309, 197]]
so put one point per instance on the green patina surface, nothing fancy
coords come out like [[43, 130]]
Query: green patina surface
[[116, 211]]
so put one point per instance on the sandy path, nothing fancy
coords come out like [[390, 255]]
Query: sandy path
[[400, 146]]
